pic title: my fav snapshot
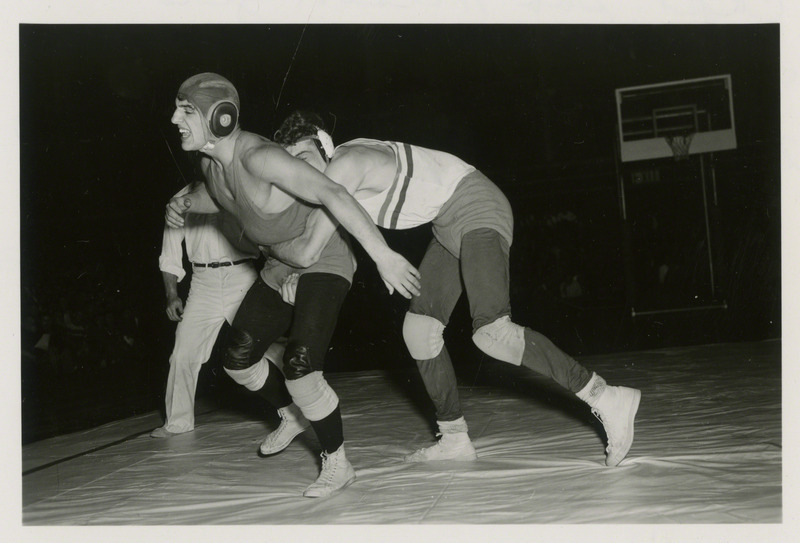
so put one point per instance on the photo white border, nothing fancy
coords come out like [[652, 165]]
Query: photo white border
[[396, 11]]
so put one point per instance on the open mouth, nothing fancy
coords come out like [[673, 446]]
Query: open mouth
[[185, 133]]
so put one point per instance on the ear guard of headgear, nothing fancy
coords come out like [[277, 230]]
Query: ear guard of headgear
[[326, 142], [222, 118]]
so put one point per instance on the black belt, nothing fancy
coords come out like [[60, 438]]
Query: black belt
[[221, 264]]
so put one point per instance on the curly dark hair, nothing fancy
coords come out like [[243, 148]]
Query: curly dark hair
[[298, 125]]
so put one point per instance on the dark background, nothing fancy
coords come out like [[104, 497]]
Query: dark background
[[532, 106]]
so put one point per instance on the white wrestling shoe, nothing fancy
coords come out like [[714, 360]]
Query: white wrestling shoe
[[336, 474], [616, 408], [454, 444], [292, 423]]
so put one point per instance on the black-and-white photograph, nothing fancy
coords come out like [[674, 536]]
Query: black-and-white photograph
[[399, 272]]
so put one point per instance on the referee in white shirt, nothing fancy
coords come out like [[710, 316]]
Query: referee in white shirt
[[222, 272]]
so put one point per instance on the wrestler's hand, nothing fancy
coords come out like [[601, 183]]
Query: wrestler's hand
[[175, 309], [176, 209], [398, 274], [289, 288]]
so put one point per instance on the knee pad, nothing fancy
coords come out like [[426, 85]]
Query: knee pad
[[240, 346], [501, 339], [296, 361], [423, 336], [313, 395], [252, 378]]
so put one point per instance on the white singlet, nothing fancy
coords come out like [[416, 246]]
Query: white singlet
[[425, 179]]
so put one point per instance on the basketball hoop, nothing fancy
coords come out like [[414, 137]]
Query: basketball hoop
[[680, 145]]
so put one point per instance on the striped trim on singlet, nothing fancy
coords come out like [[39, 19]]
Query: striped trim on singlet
[[405, 171]]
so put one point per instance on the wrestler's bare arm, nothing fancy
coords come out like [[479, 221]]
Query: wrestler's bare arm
[[306, 249], [272, 163]]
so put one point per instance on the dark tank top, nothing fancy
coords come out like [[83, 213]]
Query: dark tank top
[[271, 228]]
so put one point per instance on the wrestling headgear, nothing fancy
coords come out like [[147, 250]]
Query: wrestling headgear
[[302, 125], [326, 142], [216, 98]]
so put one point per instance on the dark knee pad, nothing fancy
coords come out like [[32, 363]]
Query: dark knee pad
[[296, 361], [237, 353]]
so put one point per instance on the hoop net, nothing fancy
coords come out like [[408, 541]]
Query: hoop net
[[680, 145]]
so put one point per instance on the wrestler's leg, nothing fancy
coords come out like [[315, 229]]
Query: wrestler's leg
[[318, 299], [423, 331], [261, 319], [484, 267]]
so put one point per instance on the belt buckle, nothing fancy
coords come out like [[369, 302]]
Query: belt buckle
[[214, 265]]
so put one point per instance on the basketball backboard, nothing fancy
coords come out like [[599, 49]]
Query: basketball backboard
[[693, 112]]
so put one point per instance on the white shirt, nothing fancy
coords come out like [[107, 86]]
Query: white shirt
[[205, 242]]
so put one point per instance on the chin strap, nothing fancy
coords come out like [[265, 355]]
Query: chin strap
[[211, 142]]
